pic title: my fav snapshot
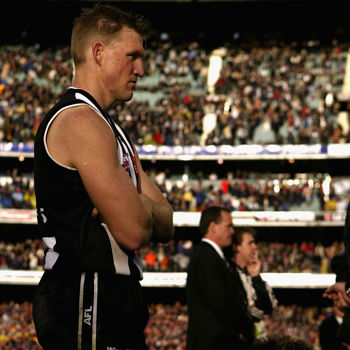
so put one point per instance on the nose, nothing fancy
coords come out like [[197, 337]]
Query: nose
[[138, 68]]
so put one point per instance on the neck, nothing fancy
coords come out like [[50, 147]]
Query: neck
[[93, 88], [239, 261]]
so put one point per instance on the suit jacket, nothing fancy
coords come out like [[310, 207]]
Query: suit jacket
[[328, 334], [265, 298], [346, 234], [217, 307], [341, 267]]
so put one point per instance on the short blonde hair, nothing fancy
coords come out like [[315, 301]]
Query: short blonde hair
[[102, 22]]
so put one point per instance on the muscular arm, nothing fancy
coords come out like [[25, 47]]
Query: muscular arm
[[81, 139], [162, 212]]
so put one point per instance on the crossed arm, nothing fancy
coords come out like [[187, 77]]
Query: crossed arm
[[162, 212], [82, 140]]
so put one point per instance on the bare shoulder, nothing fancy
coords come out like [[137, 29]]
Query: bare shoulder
[[80, 117], [75, 131]]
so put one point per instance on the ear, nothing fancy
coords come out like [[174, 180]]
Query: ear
[[97, 51], [212, 228]]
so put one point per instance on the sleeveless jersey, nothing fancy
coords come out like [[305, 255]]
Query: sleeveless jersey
[[74, 239]]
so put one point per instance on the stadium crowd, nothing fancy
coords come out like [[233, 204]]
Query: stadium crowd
[[16, 327], [275, 256], [272, 94], [305, 256], [166, 329], [17, 190], [27, 255], [242, 191], [238, 191]]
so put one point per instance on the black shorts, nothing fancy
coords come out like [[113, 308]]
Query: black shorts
[[89, 311]]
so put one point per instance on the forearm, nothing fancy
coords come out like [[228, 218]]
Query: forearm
[[162, 216], [162, 212]]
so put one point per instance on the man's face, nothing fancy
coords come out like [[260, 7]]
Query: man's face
[[123, 64], [224, 230], [248, 248]]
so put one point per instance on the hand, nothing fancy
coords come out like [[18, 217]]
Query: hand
[[346, 346], [332, 291], [337, 294], [254, 266]]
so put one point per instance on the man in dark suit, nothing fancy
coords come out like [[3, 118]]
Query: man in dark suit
[[328, 331], [217, 307], [339, 292]]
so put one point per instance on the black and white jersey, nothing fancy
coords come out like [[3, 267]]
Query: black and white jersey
[[75, 239]]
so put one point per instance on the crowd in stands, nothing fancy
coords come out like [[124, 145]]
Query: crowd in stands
[[297, 321], [278, 94], [174, 256], [238, 191], [16, 327], [242, 191], [306, 256], [265, 94], [167, 325], [275, 256], [27, 255], [17, 190]]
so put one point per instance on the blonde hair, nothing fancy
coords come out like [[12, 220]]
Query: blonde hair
[[103, 22]]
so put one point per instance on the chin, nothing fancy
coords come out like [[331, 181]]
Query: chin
[[129, 96], [125, 98]]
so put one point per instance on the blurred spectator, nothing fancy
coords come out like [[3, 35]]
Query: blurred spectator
[[27, 255], [240, 192], [270, 94], [16, 327], [174, 256], [167, 325]]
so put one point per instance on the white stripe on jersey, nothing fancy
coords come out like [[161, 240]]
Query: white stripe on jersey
[[81, 307], [120, 259], [94, 312]]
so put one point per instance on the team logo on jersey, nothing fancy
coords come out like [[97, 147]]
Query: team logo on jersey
[[133, 159], [126, 164]]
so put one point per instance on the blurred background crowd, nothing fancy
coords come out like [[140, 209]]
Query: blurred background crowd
[[305, 256], [167, 326], [277, 93], [238, 191]]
